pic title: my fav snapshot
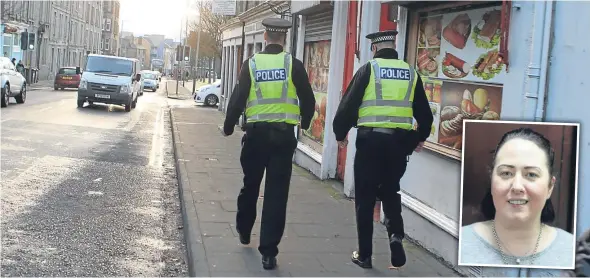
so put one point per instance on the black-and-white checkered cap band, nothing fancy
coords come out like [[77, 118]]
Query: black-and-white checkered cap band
[[383, 39], [274, 29]]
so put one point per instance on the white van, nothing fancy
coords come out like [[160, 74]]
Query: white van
[[110, 80]]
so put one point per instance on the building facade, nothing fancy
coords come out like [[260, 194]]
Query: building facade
[[144, 48], [157, 42], [109, 44], [66, 31], [128, 48], [330, 40]]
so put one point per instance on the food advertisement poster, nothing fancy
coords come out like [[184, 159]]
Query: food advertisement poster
[[434, 131], [451, 102], [461, 46], [462, 101], [316, 61]]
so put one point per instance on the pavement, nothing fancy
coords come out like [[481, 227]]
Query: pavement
[[170, 87], [41, 85], [189, 85], [320, 233], [89, 191]]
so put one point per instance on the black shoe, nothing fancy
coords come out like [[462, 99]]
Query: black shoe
[[362, 262], [244, 238], [268, 262], [398, 255]]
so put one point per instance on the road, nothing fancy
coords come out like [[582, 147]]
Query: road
[[89, 191]]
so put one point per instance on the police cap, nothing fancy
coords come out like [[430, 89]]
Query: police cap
[[276, 25], [382, 36]]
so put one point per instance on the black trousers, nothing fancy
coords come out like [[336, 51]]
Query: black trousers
[[271, 149], [379, 164]]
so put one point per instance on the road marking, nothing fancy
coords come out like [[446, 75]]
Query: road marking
[[156, 158], [45, 109]]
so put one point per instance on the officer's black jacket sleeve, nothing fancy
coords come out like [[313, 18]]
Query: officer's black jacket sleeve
[[238, 100], [422, 112], [347, 114], [304, 93]]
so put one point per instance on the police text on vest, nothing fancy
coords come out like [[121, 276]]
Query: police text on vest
[[271, 75], [394, 73]]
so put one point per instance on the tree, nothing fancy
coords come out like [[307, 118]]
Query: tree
[[10, 9], [210, 28]]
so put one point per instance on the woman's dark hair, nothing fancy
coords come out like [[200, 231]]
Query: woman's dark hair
[[487, 207]]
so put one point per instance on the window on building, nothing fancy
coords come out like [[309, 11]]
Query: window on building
[[108, 24], [102, 44], [107, 44], [7, 47], [52, 59], [61, 25]]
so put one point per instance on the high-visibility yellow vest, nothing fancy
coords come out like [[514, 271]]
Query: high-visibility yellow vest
[[388, 98], [273, 97]]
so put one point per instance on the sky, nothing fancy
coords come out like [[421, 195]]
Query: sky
[[159, 17]]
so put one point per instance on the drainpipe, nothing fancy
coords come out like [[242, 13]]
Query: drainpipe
[[537, 69], [547, 39]]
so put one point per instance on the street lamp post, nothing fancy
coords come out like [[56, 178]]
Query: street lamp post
[[179, 67], [198, 44]]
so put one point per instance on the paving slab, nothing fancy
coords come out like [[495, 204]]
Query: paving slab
[[320, 233]]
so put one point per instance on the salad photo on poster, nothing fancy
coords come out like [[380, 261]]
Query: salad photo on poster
[[468, 48]]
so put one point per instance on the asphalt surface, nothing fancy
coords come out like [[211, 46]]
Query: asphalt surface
[[89, 191]]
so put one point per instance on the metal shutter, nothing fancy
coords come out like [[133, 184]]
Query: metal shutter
[[318, 27]]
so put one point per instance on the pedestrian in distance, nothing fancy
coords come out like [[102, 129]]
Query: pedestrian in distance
[[275, 92], [381, 100]]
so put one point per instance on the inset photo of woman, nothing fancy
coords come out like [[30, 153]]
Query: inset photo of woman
[[518, 197]]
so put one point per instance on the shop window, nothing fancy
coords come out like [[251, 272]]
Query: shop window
[[316, 61], [456, 53], [7, 47]]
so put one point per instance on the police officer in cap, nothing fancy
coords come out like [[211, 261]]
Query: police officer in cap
[[380, 101], [274, 90]]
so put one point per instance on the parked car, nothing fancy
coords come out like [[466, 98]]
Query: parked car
[[66, 77], [208, 94], [149, 80], [13, 83], [110, 80]]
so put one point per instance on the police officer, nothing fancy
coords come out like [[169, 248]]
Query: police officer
[[381, 100], [274, 89]]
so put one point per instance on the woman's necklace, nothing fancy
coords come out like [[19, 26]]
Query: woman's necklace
[[504, 256]]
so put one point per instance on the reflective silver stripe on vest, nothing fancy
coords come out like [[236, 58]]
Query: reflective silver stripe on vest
[[373, 119], [274, 116], [379, 101], [285, 93]]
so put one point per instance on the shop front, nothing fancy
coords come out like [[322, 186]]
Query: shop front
[[314, 45], [10, 41], [474, 66], [457, 50]]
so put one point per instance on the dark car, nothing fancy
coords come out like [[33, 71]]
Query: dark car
[[66, 77]]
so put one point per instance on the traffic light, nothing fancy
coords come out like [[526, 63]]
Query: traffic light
[[179, 53], [31, 41], [24, 40], [187, 53]]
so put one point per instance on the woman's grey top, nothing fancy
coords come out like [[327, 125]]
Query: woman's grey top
[[476, 250]]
